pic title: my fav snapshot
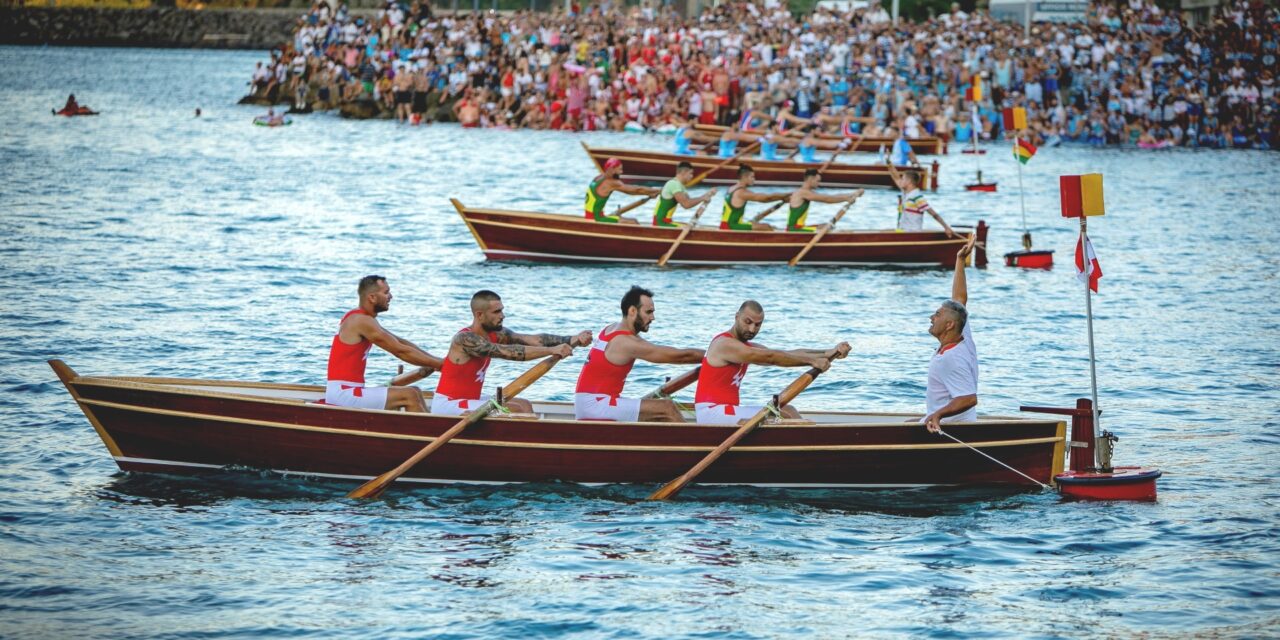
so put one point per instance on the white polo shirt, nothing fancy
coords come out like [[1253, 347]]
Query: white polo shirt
[[953, 373]]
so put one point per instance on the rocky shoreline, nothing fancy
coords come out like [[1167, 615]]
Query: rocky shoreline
[[156, 27]]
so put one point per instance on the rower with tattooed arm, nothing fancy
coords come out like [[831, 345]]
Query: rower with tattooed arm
[[462, 377]]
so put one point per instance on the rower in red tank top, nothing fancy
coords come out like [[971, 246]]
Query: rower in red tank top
[[358, 332], [598, 374], [717, 400], [464, 382], [462, 379], [598, 395], [719, 385]]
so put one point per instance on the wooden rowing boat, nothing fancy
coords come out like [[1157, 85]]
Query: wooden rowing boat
[[551, 237], [656, 166], [190, 426], [923, 146]]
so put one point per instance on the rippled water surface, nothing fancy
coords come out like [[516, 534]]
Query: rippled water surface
[[149, 242]]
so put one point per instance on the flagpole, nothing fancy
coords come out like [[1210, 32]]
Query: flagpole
[[973, 110], [1088, 306], [1022, 197]]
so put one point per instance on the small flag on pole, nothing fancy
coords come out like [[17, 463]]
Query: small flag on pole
[[1087, 267], [1015, 118], [974, 92], [1023, 150], [1081, 195]]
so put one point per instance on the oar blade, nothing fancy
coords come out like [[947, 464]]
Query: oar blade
[[374, 488]]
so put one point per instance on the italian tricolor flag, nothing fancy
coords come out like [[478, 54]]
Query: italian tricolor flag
[[1023, 150]]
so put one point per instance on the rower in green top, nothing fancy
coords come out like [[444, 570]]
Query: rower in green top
[[603, 186], [736, 199], [808, 192], [674, 193]]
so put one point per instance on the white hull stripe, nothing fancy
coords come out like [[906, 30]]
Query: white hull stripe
[[343, 476]]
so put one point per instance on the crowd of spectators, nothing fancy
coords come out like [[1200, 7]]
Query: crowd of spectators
[[1130, 74]]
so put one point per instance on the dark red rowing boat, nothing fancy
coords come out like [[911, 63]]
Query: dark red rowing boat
[[655, 166], [178, 425], [549, 237]]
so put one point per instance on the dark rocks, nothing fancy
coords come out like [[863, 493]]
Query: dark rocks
[[156, 27]]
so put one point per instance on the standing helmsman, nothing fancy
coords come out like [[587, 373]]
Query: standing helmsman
[[358, 332], [461, 385], [725, 364], [952, 391], [598, 395]]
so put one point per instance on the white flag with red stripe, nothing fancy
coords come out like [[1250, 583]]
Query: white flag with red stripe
[[1087, 267]]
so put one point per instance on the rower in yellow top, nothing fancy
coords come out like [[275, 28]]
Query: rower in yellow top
[[604, 185], [807, 193], [673, 193], [736, 199]]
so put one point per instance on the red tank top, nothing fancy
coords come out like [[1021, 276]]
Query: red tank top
[[719, 385], [464, 381], [346, 361], [598, 374]]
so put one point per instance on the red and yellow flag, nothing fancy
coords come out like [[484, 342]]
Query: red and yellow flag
[[1023, 150], [974, 92], [1081, 195], [1015, 118]]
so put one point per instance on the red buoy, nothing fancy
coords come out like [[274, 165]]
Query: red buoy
[[1033, 259], [1123, 483], [989, 187], [974, 152]]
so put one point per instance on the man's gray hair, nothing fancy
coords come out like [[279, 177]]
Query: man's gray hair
[[961, 314]]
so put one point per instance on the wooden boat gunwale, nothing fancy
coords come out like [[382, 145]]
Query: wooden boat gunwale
[[917, 247], [508, 435]]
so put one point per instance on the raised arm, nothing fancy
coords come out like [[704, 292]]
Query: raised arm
[[478, 346], [959, 286], [370, 330]]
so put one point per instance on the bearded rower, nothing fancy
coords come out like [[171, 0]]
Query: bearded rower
[[725, 364], [736, 199], [674, 193], [604, 185], [807, 193], [358, 332], [462, 376], [598, 395]]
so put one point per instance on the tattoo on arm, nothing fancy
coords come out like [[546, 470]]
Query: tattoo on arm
[[548, 340], [478, 346]]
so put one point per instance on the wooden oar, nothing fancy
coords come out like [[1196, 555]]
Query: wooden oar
[[684, 233], [696, 179], [818, 236], [672, 488], [761, 216], [375, 487], [406, 379], [675, 385], [856, 138]]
